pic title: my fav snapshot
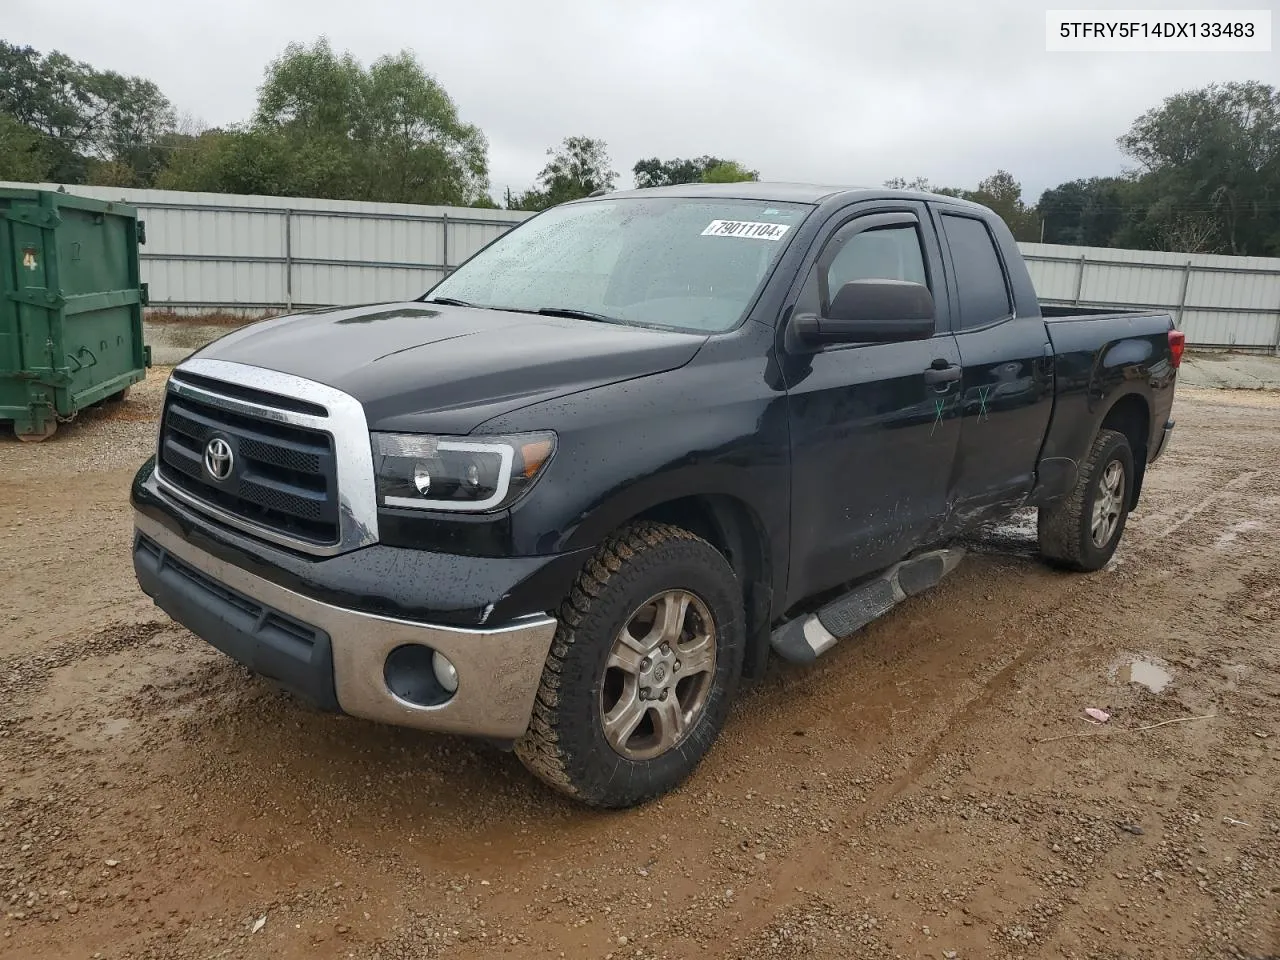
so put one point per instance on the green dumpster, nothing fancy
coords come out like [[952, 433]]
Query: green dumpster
[[70, 306]]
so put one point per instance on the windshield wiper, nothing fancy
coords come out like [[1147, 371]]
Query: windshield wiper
[[449, 302], [577, 314]]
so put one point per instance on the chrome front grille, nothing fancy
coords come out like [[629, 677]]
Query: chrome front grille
[[282, 477], [300, 470]]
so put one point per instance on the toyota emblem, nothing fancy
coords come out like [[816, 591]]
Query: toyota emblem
[[218, 458]]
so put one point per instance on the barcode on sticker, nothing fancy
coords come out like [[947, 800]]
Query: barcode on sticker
[[752, 229]]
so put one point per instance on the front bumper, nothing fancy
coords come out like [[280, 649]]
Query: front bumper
[[334, 656]]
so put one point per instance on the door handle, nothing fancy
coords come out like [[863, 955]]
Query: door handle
[[947, 374]]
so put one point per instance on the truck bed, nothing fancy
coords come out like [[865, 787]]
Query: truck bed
[[1052, 312]]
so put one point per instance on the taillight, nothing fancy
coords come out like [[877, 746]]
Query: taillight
[[1177, 343]]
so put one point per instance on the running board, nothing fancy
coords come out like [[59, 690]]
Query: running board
[[806, 638]]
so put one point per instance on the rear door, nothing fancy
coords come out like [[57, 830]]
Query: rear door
[[1008, 368], [874, 426]]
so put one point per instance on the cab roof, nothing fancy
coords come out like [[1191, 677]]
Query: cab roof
[[810, 193]]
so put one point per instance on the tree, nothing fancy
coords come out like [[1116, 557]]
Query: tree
[[920, 184], [728, 171], [22, 152], [1000, 191], [388, 133], [419, 146], [1086, 213], [311, 90], [1212, 153], [578, 167], [1003, 194], [254, 161], [653, 172], [133, 125], [85, 118]]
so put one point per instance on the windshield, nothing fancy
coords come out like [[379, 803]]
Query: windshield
[[678, 262]]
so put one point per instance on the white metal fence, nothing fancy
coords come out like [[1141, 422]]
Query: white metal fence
[[1217, 301], [246, 254], [209, 252]]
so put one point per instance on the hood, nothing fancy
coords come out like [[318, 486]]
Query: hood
[[432, 368]]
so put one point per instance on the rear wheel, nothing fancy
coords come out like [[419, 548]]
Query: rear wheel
[[641, 671], [1082, 530]]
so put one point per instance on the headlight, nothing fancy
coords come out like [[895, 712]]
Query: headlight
[[457, 473]]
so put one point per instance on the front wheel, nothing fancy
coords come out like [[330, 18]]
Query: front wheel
[[642, 669], [1082, 530]]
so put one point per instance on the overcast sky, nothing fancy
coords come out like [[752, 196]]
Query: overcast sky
[[831, 91]]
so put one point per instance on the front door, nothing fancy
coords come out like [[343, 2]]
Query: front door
[[874, 427]]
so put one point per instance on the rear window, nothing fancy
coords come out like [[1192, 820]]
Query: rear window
[[980, 278]]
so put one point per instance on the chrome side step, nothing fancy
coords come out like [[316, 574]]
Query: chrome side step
[[806, 638]]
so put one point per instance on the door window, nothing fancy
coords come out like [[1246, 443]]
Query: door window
[[980, 279], [886, 253]]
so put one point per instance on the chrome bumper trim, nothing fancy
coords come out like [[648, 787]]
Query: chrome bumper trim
[[498, 669]]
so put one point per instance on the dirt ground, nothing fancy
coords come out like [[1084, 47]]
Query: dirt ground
[[931, 788]]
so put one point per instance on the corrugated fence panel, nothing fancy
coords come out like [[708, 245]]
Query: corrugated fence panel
[[254, 254], [1216, 300], [1054, 279], [466, 238], [1212, 327], [318, 284], [1255, 291], [1123, 283]]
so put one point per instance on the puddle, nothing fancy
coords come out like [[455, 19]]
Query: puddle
[[1146, 672]]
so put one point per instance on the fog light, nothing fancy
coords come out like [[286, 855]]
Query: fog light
[[419, 676], [446, 672]]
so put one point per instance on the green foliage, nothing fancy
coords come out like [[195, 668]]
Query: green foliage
[[653, 172], [1086, 213], [1210, 162], [248, 161], [312, 90], [578, 167], [22, 152], [1003, 194], [388, 133], [920, 184], [87, 119], [324, 127], [728, 171]]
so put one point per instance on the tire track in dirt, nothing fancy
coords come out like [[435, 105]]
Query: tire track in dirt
[[956, 727]]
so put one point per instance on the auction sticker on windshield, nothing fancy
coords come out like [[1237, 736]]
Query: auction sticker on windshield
[[752, 229]]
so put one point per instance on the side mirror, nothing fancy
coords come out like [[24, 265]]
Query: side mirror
[[872, 311]]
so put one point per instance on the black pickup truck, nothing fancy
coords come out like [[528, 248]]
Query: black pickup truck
[[569, 497]]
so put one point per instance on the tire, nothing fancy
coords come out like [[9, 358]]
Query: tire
[[642, 571], [1067, 527]]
